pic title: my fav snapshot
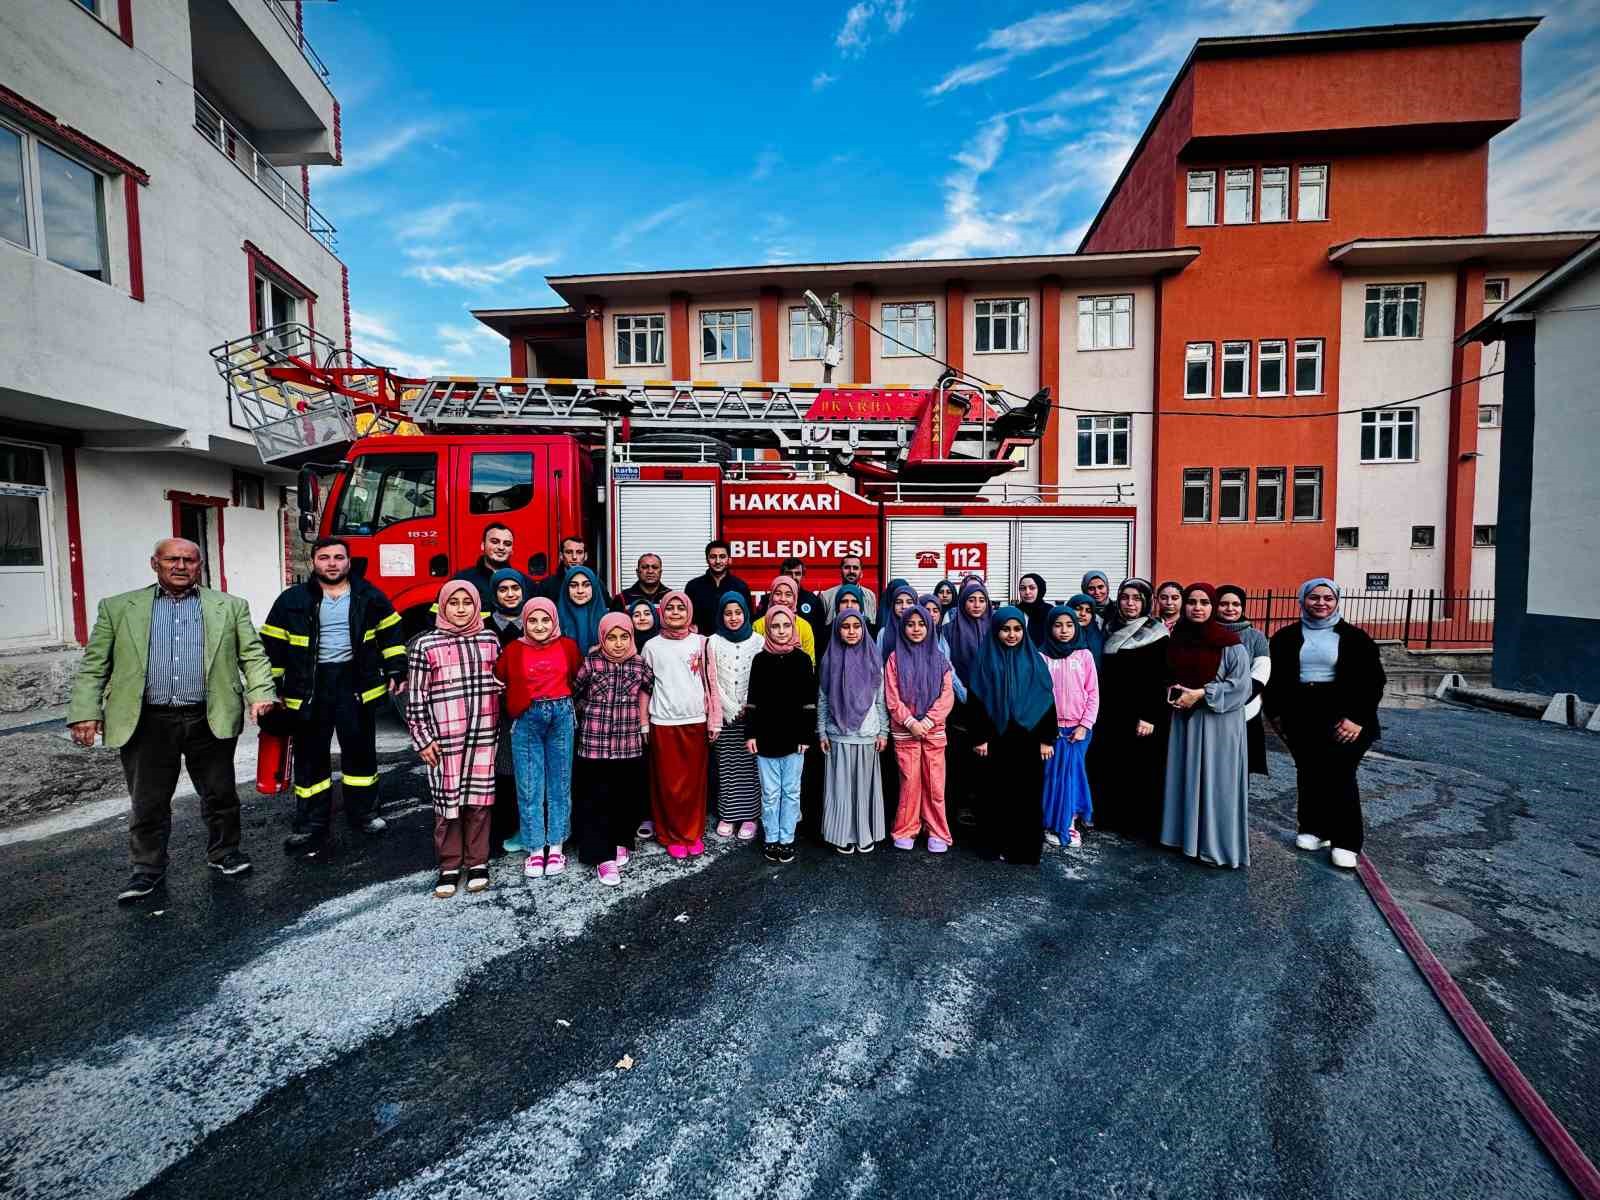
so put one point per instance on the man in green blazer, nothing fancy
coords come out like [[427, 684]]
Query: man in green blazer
[[160, 681]]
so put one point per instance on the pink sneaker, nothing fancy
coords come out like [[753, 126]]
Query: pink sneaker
[[937, 845], [534, 867], [747, 831], [623, 856], [697, 847], [607, 873], [555, 864], [678, 850], [905, 843]]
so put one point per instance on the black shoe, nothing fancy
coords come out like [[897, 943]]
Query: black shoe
[[846, 849], [786, 852], [372, 825], [231, 863], [140, 886], [298, 840], [772, 852], [866, 847]]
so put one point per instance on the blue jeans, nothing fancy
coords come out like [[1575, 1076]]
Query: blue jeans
[[780, 796], [541, 748]]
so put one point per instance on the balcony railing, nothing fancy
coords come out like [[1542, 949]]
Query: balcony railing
[[216, 129], [283, 10]]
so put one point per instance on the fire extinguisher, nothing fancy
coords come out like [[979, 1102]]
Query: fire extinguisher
[[274, 755]]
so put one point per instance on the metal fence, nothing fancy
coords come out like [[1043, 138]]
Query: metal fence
[[1421, 620]]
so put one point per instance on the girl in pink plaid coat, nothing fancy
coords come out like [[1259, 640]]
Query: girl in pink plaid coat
[[453, 712]]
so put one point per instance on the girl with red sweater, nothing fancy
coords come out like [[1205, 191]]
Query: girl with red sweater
[[538, 670]]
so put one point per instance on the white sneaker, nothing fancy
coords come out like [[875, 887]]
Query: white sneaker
[[1310, 841], [1051, 839], [1344, 858]]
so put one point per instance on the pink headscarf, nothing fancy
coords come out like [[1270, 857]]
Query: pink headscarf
[[617, 621], [547, 606], [442, 623], [682, 631], [794, 592], [793, 643]]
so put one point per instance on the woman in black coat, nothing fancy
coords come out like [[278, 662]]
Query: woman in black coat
[[1322, 700], [1127, 760]]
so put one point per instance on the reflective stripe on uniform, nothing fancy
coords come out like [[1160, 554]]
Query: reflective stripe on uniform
[[392, 619], [359, 780], [374, 693], [323, 786], [369, 635], [291, 702], [272, 631], [393, 651], [278, 671], [299, 639]]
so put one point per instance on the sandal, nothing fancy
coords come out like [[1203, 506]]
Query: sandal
[[607, 874], [555, 863], [623, 855], [477, 879], [747, 831], [724, 829], [647, 829], [446, 887]]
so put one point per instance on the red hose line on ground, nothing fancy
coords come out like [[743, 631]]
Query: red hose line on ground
[[1574, 1164]]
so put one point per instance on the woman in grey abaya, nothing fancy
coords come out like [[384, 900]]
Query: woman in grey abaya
[[1206, 806]]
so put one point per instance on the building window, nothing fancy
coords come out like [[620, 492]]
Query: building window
[[1002, 326], [1274, 193], [52, 204], [1394, 310], [1483, 535], [1197, 494], [1269, 493], [249, 490], [277, 305], [1202, 197], [1105, 322], [1496, 290], [1103, 441], [911, 328], [1238, 196], [725, 336], [808, 337], [1488, 416], [1269, 368], [1197, 369], [1389, 435], [642, 340], [1308, 493], [1235, 368], [1313, 198], [1347, 537], [1233, 494], [1422, 537], [1308, 366]]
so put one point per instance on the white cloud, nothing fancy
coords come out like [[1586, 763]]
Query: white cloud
[[432, 221], [821, 80], [766, 162], [376, 152], [365, 325], [470, 341], [855, 35], [479, 274], [970, 73], [1059, 28], [968, 229], [895, 14], [654, 220], [1158, 41]]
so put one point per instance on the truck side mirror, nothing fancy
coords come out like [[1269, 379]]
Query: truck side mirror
[[538, 564], [310, 490]]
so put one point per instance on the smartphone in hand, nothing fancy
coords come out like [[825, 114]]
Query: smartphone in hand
[[1174, 693]]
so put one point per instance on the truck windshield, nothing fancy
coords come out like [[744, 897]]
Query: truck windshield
[[385, 488]]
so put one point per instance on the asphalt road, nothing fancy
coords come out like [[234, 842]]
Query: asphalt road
[[1117, 1023]]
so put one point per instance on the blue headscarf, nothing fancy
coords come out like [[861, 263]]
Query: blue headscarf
[[581, 622], [508, 575], [966, 634], [850, 677], [850, 589], [1052, 647], [1306, 619], [1093, 635], [889, 635], [744, 631], [1012, 682]]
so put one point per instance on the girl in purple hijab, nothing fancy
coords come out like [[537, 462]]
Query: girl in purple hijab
[[852, 731], [917, 684]]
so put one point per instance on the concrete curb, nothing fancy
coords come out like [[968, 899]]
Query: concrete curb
[[1564, 708]]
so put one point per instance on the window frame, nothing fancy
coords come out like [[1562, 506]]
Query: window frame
[[1016, 321], [1505, 290], [34, 219], [1210, 189], [893, 349], [716, 328], [1104, 426], [340, 523], [1395, 419], [1494, 419], [1321, 185], [1281, 357], [807, 326], [1196, 478], [493, 460], [648, 332], [1237, 481], [1089, 319], [1313, 357], [1280, 181], [1485, 537], [249, 489], [1209, 359], [1347, 537], [1314, 479], [1241, 355], [1232, 178], [1279, 477], [1425, 541], [1399, 301]]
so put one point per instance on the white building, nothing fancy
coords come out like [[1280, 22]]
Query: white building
[[153, 204]]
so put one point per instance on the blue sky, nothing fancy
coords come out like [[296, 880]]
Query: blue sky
[[488, 144]]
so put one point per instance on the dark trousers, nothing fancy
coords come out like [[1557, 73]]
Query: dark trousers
[[463, 841], [605, 804], [165, 739], [335, 708], [1325, 770]]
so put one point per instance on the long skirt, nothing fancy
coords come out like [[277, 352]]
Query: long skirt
[[1066, 784], [1206, 813], [1010, 811], [605, 799], [680, 756], [738, 780], [852, 815]]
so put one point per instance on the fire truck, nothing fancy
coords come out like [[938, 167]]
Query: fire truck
[[410, 472]]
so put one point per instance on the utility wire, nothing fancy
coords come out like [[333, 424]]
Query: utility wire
[[1174, 412]]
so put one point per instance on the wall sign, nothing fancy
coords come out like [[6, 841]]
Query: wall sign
[[1377, 581], [966, 558]]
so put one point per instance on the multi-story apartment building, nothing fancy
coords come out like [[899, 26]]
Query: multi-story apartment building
[[1300, 230], [153, 204]]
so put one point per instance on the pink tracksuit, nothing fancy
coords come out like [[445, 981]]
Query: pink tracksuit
[[921, 761]]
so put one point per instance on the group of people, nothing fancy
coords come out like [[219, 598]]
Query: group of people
[[552, 718]]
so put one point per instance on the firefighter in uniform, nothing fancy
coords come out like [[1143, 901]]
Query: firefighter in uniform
[[337, 650]]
